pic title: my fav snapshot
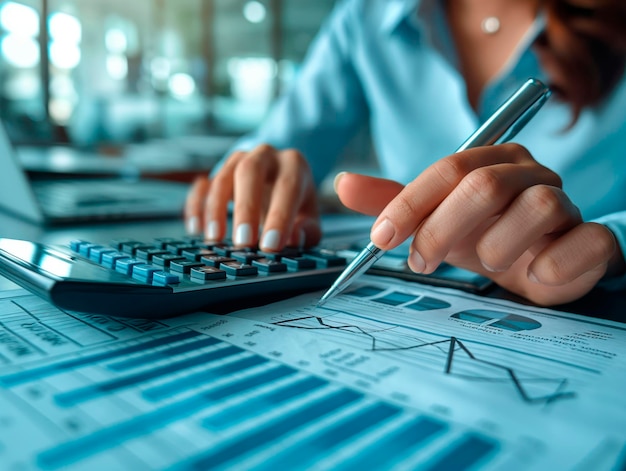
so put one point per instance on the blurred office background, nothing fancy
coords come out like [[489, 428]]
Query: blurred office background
[[94, 72]]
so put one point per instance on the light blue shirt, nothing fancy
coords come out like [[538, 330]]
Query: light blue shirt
[[391, 64]]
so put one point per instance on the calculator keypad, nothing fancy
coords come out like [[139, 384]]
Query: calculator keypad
[[170, 261]]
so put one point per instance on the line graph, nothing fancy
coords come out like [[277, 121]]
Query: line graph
[[456, 357]]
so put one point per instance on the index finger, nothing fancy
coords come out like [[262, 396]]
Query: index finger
[[194, 205], [403, 215]]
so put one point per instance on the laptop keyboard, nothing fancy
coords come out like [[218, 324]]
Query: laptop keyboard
[[109, 198], [163, 277]]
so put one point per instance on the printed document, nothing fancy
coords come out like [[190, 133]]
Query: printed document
[[389, 375]]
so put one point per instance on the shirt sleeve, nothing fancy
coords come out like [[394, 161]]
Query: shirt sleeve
[[325, 106], [616, 222]]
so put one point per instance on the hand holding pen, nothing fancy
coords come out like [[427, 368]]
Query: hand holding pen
[[490, 209]]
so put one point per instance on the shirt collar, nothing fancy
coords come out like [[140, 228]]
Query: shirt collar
[[400, 11]]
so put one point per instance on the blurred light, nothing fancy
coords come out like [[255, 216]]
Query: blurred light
[[252, 78], [64, 28], [254, 11], [170, 44], [64, 55], [117, 66], [22, 85], [160, 68], [61, 109], [182, 85], [20, 51], [121, 35], [62, 86], [116, 41], [19, 19]]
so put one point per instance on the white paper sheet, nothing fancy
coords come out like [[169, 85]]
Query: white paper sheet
[[390, 376]]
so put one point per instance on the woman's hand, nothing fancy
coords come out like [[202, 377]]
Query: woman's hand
[[492, 210], [272, 189]]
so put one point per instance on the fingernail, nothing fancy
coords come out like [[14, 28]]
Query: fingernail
[[532, 277], [271, 239], [492, 269], [192, 225], [383, 233], [243, 234], [212, 230], [416, 262], [336, 180]]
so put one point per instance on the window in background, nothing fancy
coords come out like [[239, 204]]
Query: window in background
[[119, 71], [21, 90]]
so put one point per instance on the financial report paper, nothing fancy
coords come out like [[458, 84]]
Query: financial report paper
[[389, 375]]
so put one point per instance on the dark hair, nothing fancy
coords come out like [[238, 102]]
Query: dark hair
[[583, 48]]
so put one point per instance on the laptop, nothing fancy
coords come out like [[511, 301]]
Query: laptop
[[70, 200]]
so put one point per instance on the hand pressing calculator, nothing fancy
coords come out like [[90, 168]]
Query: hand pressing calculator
[[163, 277]]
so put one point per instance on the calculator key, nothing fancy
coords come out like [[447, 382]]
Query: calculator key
[[162, 242], [148, 254], [298, 263], [178, 249], [245, 257], [225, 250], [268, 265], [207, 273], [239, 269], [289, 252], [110, 259], [144, 272], [325, 258], [75, 244], [119, 243], [197, 253], [202, 244], [126, 265], [167, 258], [164, 278], [215, 260], [84, 249], [132, 247], [96, 253], [184, 266]]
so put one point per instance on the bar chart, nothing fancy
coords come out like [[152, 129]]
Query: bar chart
[[187, 400]]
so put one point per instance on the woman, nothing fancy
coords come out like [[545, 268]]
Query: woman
[[545, 218]]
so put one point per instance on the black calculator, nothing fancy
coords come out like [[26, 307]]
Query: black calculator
[[161, 277]]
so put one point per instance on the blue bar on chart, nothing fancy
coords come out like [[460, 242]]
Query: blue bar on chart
[[251, 408], [311, 449], [161, 355], [267, 433], [465, 455], [93, 391], [105, 439], [396, 445], [109, 437], [250, 383], [207, 376], [55, 368]]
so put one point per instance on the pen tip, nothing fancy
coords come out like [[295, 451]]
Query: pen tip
[[321, 301]]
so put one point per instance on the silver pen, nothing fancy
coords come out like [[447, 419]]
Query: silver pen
[[501, 126]]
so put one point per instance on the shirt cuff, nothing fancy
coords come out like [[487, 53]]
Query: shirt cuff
[[616, 223]]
